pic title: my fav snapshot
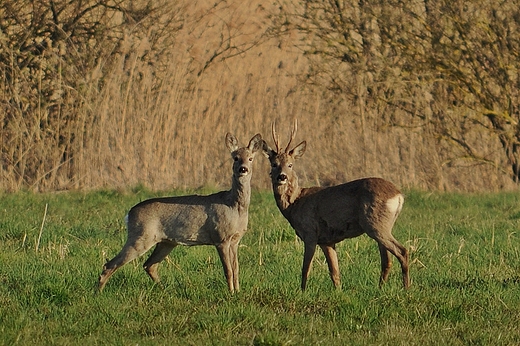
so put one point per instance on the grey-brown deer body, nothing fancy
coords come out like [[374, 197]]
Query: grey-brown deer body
[[326, 216], [219, 219]]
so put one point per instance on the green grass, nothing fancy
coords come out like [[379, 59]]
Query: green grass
[[465, 271]]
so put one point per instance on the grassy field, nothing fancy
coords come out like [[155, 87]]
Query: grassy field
[[465, 273]]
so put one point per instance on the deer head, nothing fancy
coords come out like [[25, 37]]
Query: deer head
[[243, 157], [283, 177]]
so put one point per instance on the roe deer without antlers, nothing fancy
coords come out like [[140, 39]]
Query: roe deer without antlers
[[219, 219], [325, 216]]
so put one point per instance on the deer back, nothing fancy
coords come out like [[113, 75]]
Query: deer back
[[344, 211]]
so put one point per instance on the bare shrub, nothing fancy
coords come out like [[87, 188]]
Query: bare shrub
[[444, 69], [117, 93], [55, 58]]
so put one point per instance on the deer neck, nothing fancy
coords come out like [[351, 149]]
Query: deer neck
[[241, 192], [285, 195]]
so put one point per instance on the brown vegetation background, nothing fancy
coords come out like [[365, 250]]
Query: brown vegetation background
[[112, 94]]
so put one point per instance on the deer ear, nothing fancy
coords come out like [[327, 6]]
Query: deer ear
[[255, 143], [298, 150], [231, 142], [267, 151]]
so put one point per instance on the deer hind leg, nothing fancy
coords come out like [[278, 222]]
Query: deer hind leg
[[400, 252], [386, 264], [332, 261], [402, 255], [159, 253], [130, 251], [382, 233]]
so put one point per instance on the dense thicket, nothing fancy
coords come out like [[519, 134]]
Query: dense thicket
[[101, 93], [55, 57], [450, 66]]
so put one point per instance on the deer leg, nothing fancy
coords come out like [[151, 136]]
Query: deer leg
[[386, 264], [402, 255], [234, 264], [159, 253], [400, 252], [129, 252], [225, 257], [310, 249], [332, 261]]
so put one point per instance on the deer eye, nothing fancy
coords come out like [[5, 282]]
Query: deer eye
[[289, 165], [251, 159]]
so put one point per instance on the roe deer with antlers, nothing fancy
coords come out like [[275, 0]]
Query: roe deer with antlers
[[219, 219], [325, 216]]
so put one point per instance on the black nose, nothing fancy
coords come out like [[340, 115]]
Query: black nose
[[282, 177], [242, 170]]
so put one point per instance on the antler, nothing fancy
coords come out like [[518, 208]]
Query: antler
[[293, 133], [276, 139]]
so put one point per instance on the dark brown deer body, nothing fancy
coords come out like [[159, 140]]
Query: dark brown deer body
[[326, 216], [219, 219]]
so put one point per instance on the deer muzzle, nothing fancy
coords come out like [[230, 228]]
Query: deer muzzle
[[282, 178]]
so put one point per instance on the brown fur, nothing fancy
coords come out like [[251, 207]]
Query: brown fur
[[326, 216], [219, 219]]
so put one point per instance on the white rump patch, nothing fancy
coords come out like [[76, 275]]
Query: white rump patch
[[395, 204]]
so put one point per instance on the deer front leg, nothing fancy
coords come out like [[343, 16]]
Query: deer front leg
[[332, 261], [234, 264], [310, 249], [224, 252]]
